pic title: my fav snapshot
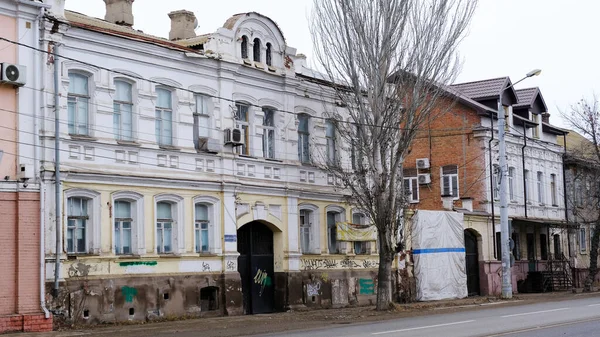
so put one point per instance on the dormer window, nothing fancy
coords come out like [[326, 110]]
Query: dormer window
[[269, 58], [256, 49], [244, 47]]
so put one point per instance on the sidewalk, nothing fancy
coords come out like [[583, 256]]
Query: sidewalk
[[301, 320]]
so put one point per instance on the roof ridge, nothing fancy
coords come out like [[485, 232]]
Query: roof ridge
[[486, 80]]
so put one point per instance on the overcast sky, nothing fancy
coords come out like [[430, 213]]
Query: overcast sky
[[506, 38]]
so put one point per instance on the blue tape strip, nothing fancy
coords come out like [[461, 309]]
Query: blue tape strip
[[438, 250]]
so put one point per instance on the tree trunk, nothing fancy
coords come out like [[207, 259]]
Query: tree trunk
[[384, 276], [593, 260]]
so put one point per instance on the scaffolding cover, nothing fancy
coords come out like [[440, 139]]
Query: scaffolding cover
[[439, 255]]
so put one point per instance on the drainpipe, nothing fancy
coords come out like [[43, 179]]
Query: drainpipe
[[565, 194], [57, 211], [492, 186], [524, 178], [37, 161]]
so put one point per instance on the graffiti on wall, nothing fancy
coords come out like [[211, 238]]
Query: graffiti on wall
[[368, 264], [314, 264], [129, 293], [366, 286], [205, 266], [230, 265], [349, 263], [312, 289], [346, 263], [138, 267], [263, 280]]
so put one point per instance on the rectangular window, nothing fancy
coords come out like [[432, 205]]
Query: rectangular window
[[511, 183], [332, 218], [123, 111], [201, 123], [582, 240], [78, 104], [303, 139], [360, 247], [164, 118], [450, 180], [77, 218], [496, 182], [544, 246], [553, 189], [535, 129], [201, 228], [164, 227], [305, 226], [269, 133], [540, 187], [123, 221], [241, 118], [411, 189], [331, 147]]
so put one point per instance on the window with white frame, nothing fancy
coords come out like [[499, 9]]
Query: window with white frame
[[334, 215], [511, 183], [308, 223], [201, 232], [331, 142], [164, 227], [582, 239], [450, 180], [411, 185], [164, 117], [77, 224], [360, 247], [241, 120], [303, 138], [256, 50], [268, 140], [527, 187], [123, 111], [553, 190], [123, 224], [540, 187], [202, 123], [78, 104]]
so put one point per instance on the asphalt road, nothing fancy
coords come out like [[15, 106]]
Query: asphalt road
[[579, 317]]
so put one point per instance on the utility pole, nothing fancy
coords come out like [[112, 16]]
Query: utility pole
[[504, 234]]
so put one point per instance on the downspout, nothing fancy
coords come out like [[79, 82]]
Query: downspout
[[57, 212], [492, 186], [565, 194], [37, 161], [523, 159]]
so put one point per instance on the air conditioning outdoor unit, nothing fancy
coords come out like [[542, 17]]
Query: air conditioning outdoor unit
[[423, 163], [233, 137], [12, 74], [424, 178]]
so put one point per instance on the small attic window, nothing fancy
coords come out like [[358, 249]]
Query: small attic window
[[256, 49], [269, 58], [244, 47]]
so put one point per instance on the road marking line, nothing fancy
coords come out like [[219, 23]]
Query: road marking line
[[422, 327], [534, 312]]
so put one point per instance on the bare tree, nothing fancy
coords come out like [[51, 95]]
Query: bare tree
[[584, 199], [387, 62]]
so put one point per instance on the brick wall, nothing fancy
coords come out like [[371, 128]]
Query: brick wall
[[447, 139], [19, 285]]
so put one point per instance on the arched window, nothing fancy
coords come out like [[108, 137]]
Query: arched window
[[331, 146], [244, 47], [334, 214], [309, 229], [256, 50], [269, 57], [78, 104], [303, 137], [269, 133], [207, 220], [169, 218], [82, 221], [201, 222], [360, 247], [164, 117], [128, 221], [123, 111]]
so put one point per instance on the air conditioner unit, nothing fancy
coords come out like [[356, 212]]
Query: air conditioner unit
[[423, 163], [233, 137], [12, 74], [424, 178]]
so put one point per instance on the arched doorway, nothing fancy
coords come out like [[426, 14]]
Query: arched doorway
[[255, 265], [472, 261]]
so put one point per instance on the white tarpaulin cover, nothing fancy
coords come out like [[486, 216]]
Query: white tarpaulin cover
[[438, 245]]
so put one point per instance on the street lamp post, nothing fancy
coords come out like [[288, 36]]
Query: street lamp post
[[504, 235]]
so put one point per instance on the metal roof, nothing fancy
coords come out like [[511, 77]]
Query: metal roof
[[483, 89]]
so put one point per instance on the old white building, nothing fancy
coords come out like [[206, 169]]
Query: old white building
[[187, 178]]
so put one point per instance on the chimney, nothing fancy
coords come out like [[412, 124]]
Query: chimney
[[448, 202], [57, 8], [119, 12], [546, 118], [467, 203], [183, 24]]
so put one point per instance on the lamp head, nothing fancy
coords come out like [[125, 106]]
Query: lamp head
[[534, 72]]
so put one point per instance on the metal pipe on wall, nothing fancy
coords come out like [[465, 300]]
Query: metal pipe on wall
[[57, 211]]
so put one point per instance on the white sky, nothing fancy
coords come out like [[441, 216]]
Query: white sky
[[507, 37]]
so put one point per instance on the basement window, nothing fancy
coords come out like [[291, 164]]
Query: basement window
[[209, 298], [166, 296], [131, 311], [86, 314]]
